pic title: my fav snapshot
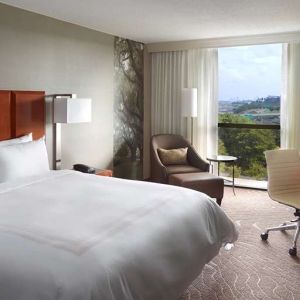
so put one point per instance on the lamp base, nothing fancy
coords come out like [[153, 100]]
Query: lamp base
[[56, 146]]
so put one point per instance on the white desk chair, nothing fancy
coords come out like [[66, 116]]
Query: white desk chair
[[284, 187]]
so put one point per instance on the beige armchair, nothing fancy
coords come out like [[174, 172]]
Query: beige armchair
[[284, 187], [161, 173]]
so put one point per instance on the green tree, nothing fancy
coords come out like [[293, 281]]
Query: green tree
[[246, 144]]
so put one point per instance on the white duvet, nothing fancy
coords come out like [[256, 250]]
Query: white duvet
[[68, 235]]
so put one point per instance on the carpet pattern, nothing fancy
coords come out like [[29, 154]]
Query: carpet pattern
[[253, 269]]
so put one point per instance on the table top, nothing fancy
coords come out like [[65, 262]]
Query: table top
[[222, 158]]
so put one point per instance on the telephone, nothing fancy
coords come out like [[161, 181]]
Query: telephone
[[84, 168]]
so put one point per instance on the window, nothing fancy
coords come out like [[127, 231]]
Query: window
[[249, 105]]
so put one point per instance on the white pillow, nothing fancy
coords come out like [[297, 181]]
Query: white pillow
[[23, 139], [23, 160]]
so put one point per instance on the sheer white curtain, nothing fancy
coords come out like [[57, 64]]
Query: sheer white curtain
[[290, 98], [172, 71], [203, 74], [167, 80]]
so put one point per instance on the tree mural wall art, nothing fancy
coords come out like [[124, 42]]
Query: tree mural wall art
[[128, 108]]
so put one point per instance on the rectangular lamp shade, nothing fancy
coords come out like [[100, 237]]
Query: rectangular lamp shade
[[72, 110], [189, 102]]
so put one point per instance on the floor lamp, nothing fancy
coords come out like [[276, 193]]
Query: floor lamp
[[67, 109], [189, 106]]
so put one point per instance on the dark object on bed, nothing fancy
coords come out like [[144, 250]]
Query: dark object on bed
[[84, 168], [199, 178]]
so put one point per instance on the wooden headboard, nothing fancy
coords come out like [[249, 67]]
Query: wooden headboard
[[22, 112]]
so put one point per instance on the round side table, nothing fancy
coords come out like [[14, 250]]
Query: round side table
[[226, 159]]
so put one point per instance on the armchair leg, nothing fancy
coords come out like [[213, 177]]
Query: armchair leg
[[219, 201]]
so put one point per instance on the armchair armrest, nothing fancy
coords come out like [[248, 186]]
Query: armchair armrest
[[196, 161], [158, 170]]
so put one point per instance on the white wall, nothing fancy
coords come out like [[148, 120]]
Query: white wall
[[41, 53]]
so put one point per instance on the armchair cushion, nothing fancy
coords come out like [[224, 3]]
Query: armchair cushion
[[178, 169], [173, 156]]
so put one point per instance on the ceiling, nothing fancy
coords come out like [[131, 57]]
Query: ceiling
[[173, 20]]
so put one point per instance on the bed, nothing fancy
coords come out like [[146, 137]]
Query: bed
[[69, 235]]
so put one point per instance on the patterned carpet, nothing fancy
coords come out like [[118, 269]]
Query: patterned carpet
[[253, 269]]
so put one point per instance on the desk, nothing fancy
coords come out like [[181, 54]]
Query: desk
[[226, 159]]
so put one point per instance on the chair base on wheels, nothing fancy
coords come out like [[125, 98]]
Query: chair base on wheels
[[295, 224]]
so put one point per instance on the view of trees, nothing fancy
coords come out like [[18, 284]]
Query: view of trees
[[247, 144], [249, 93], [270, 103]]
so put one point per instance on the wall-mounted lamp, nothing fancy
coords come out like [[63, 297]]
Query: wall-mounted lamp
[[67, 109], [189, 105]]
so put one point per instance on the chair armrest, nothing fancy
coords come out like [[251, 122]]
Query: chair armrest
[[158, 170], [196, 161]]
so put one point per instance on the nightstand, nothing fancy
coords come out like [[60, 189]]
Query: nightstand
[[101, 172]]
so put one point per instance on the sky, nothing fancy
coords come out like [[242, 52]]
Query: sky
[[249, 72]]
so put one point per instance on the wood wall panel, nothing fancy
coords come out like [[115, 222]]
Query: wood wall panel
[[22, 112], [29, 113], [5, 115]]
